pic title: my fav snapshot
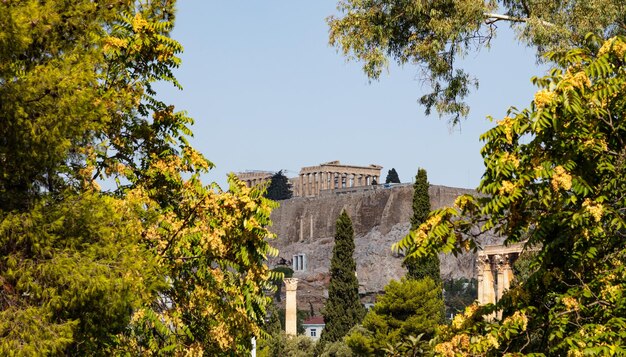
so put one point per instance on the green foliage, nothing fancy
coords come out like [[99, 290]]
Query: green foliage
[[337, 349], [272, 342], [412, 346], [299, 346], [392, 176], [524, 266], [71, 272], [459, 294], [343, 309], [151, 266], [427, 266], [421, 199], [409, 308], [280, 273], [279, 188], [555, 176], [433, 35]]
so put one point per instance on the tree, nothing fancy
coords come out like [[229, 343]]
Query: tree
[[459, 294], [278, 282], [434, 34], [337, 349], [392, 176], [405, 309], [158, 260], [273, 342], [299, 346], [279, 188], [427, 266], [555, 177], [343, 309]]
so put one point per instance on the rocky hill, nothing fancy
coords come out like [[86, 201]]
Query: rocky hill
[[305, 228]]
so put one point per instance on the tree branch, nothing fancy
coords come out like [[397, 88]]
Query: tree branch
[[491, 18]]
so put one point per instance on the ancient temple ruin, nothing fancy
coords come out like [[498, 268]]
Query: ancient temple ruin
[[254, 177], [333, 175], [495, 272], [314, 179]]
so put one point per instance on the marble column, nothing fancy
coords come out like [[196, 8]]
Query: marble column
[[291, 286], [486, 291], [308, 184], [505, 277]]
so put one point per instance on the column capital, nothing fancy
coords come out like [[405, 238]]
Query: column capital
[[291, 284]]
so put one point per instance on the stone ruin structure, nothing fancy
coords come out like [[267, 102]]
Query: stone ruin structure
[[254, 177], [312, 180], [495, 272], [332, 176], [291, 316]]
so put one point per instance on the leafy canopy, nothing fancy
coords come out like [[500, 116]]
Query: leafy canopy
[[407, 308], [162, 263], [435, 34], [555, 177], [392, 176], [279, 188], [427, 266]]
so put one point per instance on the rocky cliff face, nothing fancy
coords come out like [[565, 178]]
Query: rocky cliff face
[[305, 227]]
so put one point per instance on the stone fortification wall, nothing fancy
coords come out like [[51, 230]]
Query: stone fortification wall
[[380, 217]]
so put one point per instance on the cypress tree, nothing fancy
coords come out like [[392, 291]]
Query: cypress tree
[[392, 176], [419, 268], [343, 309], [279, 188]]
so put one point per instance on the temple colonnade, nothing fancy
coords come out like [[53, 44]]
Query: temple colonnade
[[495, 272], [332, 175], [254, 178]]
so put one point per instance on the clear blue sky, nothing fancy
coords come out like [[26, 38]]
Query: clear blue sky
[[268, 93]]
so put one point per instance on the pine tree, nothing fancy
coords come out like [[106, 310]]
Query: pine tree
[[279, 188], [343, 309], [419, 268], [405, 309], [392, 176]]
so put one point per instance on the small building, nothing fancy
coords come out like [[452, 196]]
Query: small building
[[313, 327]]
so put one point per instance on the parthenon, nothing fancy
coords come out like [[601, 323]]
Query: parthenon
[[314, 179], [333, 175], [495, 272]]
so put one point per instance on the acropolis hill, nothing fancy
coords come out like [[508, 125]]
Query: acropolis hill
[[305, 227]]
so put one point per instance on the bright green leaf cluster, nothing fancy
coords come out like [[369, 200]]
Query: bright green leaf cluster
[[555, 178]]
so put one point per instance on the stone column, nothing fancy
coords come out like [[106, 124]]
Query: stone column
[[309, 191], [505, 277], [500, 271], [318, 183], [486, 291], [291, 285]]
